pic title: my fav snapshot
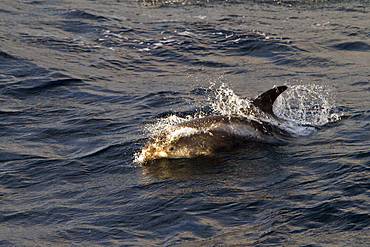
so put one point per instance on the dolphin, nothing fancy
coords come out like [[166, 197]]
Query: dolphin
[[213, 134]]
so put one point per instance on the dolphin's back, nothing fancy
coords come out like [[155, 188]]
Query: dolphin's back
[[237, 127]]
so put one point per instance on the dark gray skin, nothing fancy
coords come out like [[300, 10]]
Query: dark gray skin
[[214, 134]]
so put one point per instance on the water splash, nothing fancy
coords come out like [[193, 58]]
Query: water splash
[[162, 124], [312, 105], [225, 102]]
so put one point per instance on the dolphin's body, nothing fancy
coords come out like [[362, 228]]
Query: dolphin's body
[[213, 134]]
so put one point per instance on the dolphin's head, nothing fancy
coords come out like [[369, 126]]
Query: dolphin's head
[[162, 146], [180, 142], [154, 149]]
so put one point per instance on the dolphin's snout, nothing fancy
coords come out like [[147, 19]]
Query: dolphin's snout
[[151, 151]]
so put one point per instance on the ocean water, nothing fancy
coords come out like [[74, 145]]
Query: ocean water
[[81, 81]]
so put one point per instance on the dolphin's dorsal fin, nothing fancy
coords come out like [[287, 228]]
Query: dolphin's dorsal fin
[[266, 100]]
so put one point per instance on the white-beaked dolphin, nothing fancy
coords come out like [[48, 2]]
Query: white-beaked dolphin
[[213, 134]]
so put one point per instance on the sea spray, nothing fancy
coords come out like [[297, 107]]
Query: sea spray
[[310, 105], [226, 103]]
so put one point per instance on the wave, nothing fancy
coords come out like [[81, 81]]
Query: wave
[[352, 46], [84, 15]]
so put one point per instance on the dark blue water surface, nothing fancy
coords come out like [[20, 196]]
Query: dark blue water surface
[[80, 79]]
